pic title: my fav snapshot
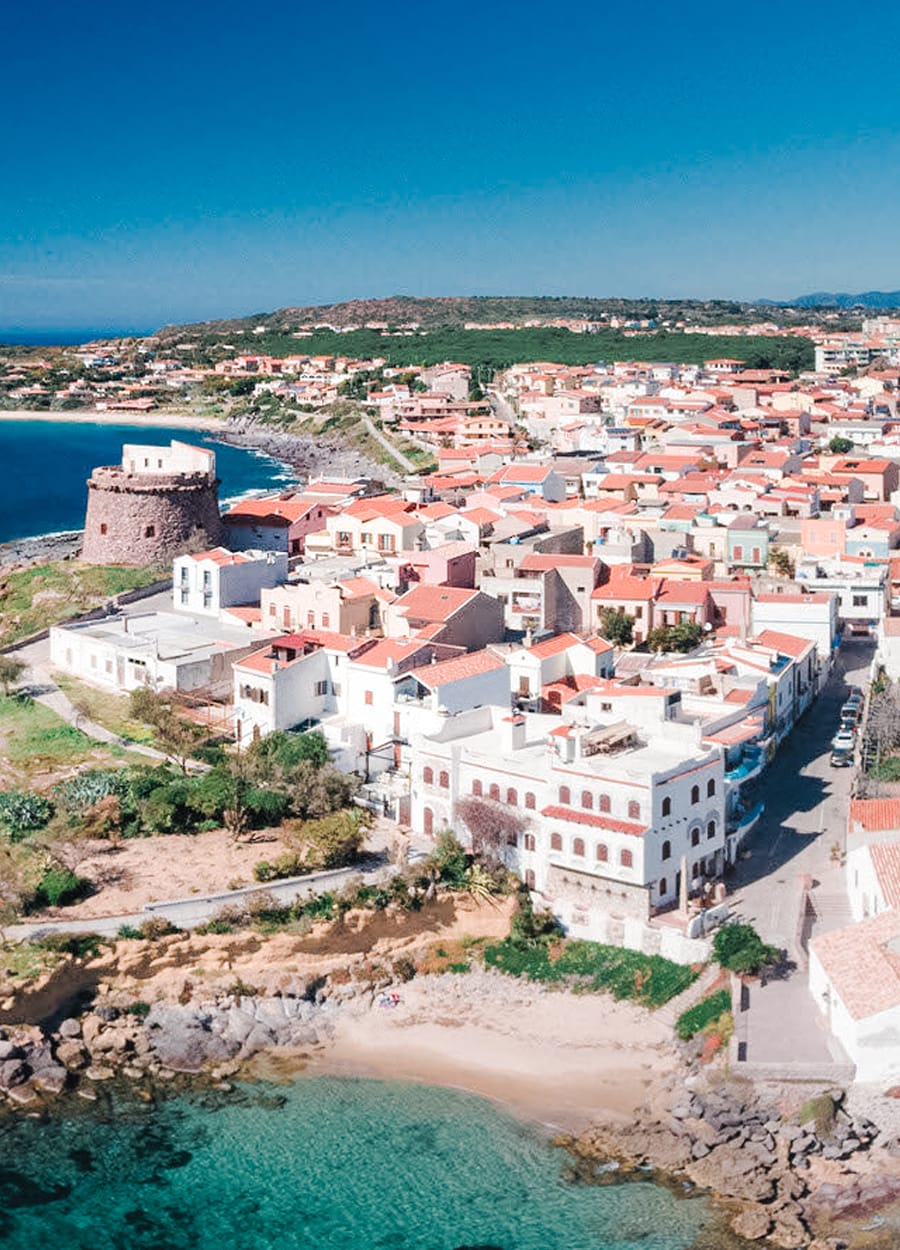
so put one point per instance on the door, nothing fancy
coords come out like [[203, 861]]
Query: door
[[429, 822]]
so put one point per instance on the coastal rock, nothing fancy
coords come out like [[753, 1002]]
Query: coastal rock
[[753, 1223], [182, 1038], [52, 1079], [99, 1073], [789, 1232], [70, 1028], [71, 1054], [9, 1050], [13, 1072]]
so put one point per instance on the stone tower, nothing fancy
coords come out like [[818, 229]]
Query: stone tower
[[158, 503]]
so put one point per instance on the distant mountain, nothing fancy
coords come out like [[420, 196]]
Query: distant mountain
[[839, 299]]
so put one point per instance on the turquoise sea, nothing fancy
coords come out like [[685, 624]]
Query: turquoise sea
[[319, 1164], [46, 464]]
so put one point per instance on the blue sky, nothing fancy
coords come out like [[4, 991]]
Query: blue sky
[[180, 161]]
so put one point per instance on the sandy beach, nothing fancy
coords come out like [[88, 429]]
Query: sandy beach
[[159, 417], [562, 1059]]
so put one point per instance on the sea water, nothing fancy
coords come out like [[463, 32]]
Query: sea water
[[46, 464], [317, 1164]]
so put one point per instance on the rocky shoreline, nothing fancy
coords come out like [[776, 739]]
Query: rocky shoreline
[[308, 455]]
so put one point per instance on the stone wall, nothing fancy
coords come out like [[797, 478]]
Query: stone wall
[[148, 519]]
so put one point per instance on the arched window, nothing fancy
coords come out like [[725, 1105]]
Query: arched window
[[603, 803], [695, 794], [587, 799], [667, 850], [663, 888], [555, 842], [667, 806], [494, 793], [477, 788], [530, 844], [695, 837], [512, 839], [529, 801], [428, 776], [602, 853], [634, 810], [711, 829], [578, 847], [529, 879], [626, 859], [710, 787], [564, 796], [512, 798], [444, 781]]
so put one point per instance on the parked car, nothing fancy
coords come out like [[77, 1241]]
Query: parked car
[[841, 759], [850, 714], [843, 740]]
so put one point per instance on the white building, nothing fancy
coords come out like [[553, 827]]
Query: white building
[[854, 977], [813, 616], [212, 580]]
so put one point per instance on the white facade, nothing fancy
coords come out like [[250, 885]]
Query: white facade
[[812, 616], [176, 458], [217, 579]]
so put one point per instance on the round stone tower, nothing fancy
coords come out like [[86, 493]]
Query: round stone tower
[[159, 503]]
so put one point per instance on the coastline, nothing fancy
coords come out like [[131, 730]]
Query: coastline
[[89, 416]]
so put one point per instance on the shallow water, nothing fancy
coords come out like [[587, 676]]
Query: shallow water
[[322, 1164], [46, 465]]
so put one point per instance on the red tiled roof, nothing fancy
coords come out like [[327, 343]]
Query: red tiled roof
[[457, 669], [577, 816], [860, 964], [434, 603], [874, 815], [886, 862], [787, 644]]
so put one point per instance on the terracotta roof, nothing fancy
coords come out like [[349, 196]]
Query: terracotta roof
[[874, 815], [787, 644], [861, 965], [222, 556], [434, 603], [391, 649], [458, 669], [886, 862], [576, 816]]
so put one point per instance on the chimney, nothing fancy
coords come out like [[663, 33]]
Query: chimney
[[512, 734]]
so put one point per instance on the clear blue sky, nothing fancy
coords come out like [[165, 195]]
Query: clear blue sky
[[176, 161]]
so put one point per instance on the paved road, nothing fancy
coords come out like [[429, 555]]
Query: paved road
[[806, 814]]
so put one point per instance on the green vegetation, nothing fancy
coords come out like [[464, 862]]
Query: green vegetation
[[57, 887], [616, 627], [708, 1011], [590, 966], [819, 1111], [840, 446], [683, 637], [35, 598], [36, 737], [740, 949], [11, 669], [112, 711], [22, 812], [332, 841]]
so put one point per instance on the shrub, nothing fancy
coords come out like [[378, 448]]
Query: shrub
[[84, 791], [156, 927], [126, 932], [701, 1014], [81, 945], [139, 1009], [264, 871], [451, 861], [23, 811], [528, 927], [739, 948], [58, 887]]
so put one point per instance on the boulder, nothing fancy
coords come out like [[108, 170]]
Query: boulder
[[8, 1050], [182, 1039], [753, 1223], [71, 1053], [789, 1232], [13, 1072], [70, 1028], [52, 1079]]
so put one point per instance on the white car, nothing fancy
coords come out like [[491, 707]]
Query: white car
[[843, 740]]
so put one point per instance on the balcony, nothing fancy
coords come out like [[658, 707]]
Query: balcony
[[743, 820], [751, 765]]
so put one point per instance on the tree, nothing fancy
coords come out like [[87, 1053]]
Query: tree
[[682, 637], [840, 446], [491, 825], [331, 841], [11, 669], [781, 562], [616, 627], [739, 948]]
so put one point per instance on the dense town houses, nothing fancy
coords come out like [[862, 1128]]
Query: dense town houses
[[582, 636]]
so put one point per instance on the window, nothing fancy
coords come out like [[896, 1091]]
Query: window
[[207, 579], [667, 806], [603, 803], [149, 531], [326, 619], [310, 619], [626, 859], [601, 853], [555, 842], [529, 879], [860, 601], [494, 793], [530, 843], [529, 801], [695, 794], [477, 788], [321, 688], [104, 528], [663, 887], [108, 666], [512, 798], [512, 839], [368, 698], [710, 787], [273, 609], [667, 850], [444, 780], [428, 776], [695, 837], [634, 810], [185, 596], [587, 800], [564, 796], [738, 554], [524, 687], [578, 847], [711, 829]]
